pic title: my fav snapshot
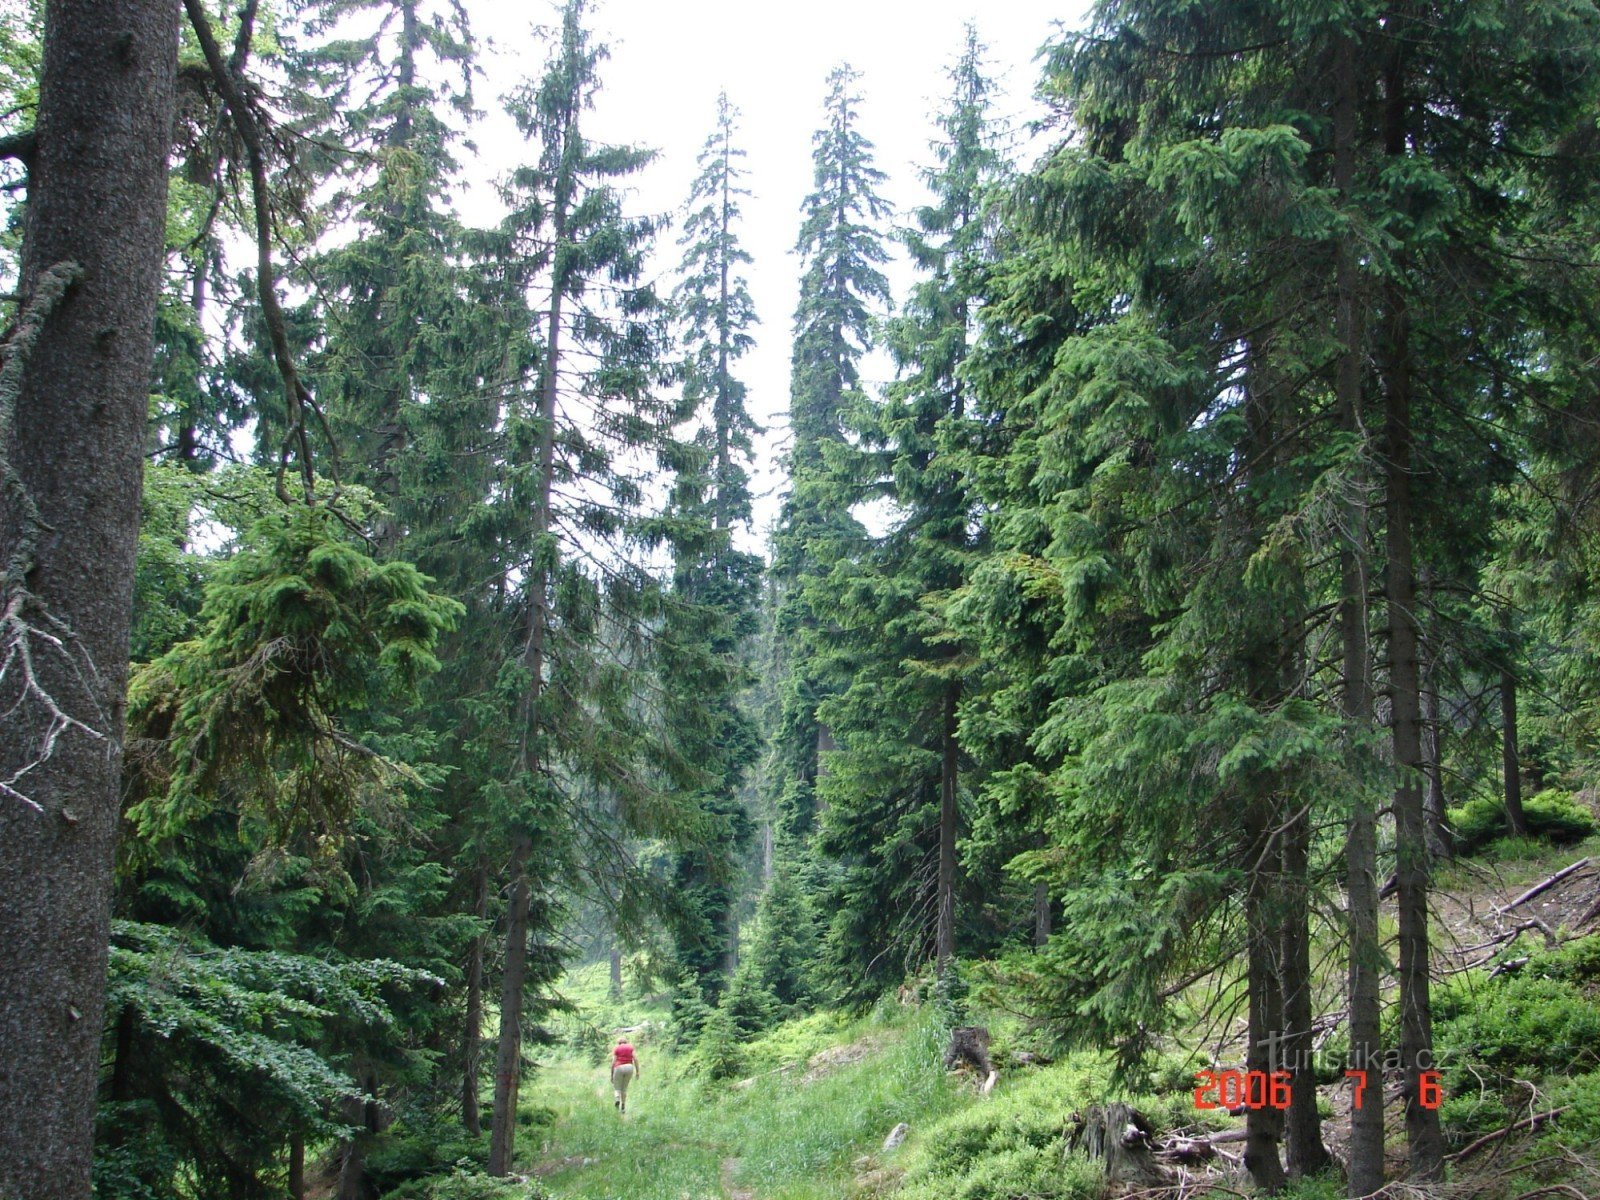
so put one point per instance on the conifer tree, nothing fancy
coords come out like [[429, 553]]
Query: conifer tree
[[716, 585], [841, 250], [892, 814], [585, 744]]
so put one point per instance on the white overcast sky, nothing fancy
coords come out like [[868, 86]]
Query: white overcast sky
[[670, 58]]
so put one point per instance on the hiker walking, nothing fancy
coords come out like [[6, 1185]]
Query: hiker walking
[[624, 1070]]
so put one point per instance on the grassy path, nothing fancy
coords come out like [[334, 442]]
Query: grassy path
[[792, 1135]]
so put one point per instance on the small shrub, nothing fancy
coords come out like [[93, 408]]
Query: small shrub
[[406, 1152], [1580, 1124], [462, 1184], [1553, 816], [1037, 1172], [534, 1116], [1525, 1021]]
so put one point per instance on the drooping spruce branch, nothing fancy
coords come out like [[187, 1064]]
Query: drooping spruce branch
[[298, 400]]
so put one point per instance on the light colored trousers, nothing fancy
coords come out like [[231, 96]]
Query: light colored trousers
[[621, 1077]]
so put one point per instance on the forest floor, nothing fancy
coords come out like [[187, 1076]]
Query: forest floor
[[824, 1092]]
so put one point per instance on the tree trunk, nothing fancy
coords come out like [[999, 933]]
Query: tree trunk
[[1411, 848], [1263, 1126], [508, 1057], [1441, 843], [508, 1054], [73, 402], [1041, 914], [472, 1054], [1509, 758], [616, 973], [1302, 1125], [945, 930], [1366, 959], [297, 1167], [352, 1183]]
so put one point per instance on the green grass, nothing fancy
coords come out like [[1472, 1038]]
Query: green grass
[[791, 1139]]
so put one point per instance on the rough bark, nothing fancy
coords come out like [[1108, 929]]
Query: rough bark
[[1263, 1126], [945, 930], [1423, 1135], [1302, 1125], [297, 1167], [1365, 1173], [1120, 1139], [969, 1044], [72, 418]]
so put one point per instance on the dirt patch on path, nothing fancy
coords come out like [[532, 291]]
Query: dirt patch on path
[[731, 1190]]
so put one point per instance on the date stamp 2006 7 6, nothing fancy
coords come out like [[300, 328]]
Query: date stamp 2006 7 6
[[1273, 1089]]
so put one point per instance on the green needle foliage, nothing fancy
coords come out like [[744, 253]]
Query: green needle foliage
[[892, 797], [841, 249], [302, 629]]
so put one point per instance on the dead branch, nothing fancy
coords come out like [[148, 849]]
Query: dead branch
[[26, 623], [1489, 1139], [1543, 886], [296, 395]]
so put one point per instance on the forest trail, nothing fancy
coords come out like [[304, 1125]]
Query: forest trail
[[813, 1106], [730, 1189]]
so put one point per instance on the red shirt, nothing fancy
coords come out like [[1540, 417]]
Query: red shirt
[[622, 1054]]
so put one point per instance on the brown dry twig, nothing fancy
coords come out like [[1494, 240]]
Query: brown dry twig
[[26, 623]]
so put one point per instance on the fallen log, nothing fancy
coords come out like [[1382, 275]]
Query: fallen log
[[1490, 1139], [1544, 885]]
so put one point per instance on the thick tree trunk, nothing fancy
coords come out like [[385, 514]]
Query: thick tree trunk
[[1366, 959], [297, 1167], [1302, 1125], [508, 1055], [472, 1050], [1510, 760], [1263, 1126], [945, 930], [1411, 847], [73, 406]]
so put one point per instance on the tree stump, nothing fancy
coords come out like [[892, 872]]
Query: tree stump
[[1119, 1139], [969, 1044]]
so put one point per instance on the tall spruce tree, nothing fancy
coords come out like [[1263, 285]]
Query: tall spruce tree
[[1214, 144], [841, 250], [585, 743], [716, 585], [891, 803]]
